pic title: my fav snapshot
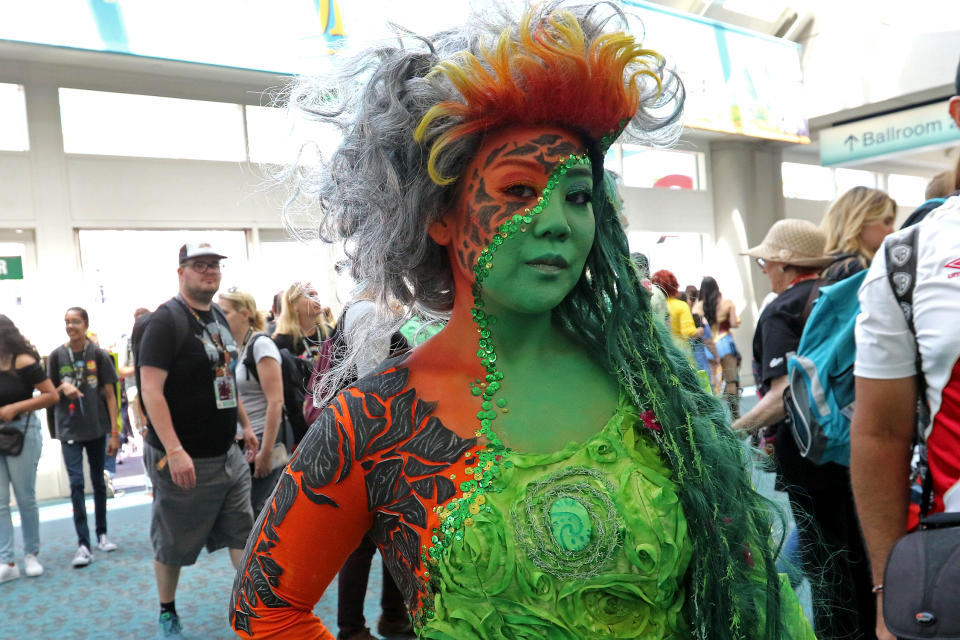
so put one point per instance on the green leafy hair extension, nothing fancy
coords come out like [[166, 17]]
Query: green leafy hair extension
[[733, 590]]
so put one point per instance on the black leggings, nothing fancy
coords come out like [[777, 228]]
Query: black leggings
[[352, 589]]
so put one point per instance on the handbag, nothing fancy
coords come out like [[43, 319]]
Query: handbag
[[11, 437], [921, 582], [11, 441]]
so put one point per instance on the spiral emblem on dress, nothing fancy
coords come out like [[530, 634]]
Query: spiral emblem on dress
[[568, 524]]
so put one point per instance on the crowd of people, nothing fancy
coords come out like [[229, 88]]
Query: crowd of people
[[571, 430]]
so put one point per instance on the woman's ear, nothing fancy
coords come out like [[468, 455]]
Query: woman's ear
[[441, 231]]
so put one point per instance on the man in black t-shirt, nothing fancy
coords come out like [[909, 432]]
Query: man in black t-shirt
[[833, 554], [201, 481]]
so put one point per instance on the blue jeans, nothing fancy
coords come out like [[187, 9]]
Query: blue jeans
[[73, 457], [21, 472]]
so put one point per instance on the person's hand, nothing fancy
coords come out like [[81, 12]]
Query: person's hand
[[7, 413], [70, 391], [250, 444], [113, 445], [263, 463], [181, 469]]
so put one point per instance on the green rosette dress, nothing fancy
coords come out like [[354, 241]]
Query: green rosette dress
[[589, 542]]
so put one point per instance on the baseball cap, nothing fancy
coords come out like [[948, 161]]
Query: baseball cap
[[197, 249]]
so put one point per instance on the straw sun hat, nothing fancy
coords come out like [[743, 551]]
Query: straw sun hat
[[793, 242]]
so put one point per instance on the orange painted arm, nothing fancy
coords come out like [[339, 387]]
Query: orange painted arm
[[316, 518]]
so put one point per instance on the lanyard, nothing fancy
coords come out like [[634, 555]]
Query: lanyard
[[809, 276], [79, 373], [218, 343]]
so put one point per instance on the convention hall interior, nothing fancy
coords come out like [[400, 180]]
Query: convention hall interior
[[131, 127]]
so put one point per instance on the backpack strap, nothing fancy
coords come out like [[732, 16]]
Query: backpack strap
[[901, 257], [248, 360]]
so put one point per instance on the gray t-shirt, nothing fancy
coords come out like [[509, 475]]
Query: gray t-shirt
[[254, 400], [90, 370]]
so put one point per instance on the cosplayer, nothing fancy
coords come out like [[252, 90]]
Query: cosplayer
[[546, 466]]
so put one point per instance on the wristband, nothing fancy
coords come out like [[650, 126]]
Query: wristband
[[877, 588], [174, 450]]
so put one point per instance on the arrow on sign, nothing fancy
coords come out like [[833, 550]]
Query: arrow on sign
[[851, 140]]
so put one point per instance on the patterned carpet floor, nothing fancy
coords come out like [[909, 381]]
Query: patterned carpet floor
[[115, 597]]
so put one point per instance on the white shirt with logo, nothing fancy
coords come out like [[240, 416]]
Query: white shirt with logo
[[886, 347]]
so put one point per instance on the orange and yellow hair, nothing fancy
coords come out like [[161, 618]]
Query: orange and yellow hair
[[547, 74]]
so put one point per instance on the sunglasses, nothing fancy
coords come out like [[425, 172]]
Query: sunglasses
[[760, 262]]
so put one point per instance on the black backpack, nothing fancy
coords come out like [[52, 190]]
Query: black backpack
[[295, 373]]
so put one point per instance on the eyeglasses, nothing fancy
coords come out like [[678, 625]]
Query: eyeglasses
[[202, 267], [760, 262]]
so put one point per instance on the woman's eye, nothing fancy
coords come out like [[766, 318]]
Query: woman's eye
[[521, 191], [579, 197]]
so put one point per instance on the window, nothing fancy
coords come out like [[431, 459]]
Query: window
[[849, 178], [13, 124], [906, 190], [122, 124], [124, 269], [660, 168], [276, 137], [807, 181]]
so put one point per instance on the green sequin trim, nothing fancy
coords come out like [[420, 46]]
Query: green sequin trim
[[485, 463]]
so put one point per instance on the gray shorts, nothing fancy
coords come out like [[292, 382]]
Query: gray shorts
[[215, 514]]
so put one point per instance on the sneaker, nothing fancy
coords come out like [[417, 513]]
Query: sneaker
[[104, 543], [32, 566], [82, 557], [169, 625], [108, 481], [8, 573]]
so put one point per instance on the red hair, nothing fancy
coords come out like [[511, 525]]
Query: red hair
[[667, 282], [549, 75]]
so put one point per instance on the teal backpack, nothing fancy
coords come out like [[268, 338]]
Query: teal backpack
[[820, 397]]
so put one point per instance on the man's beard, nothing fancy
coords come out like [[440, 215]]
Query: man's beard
[[200, 295]]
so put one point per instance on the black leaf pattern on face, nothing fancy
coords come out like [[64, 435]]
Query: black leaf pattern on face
[[318, 455], [401, 421], [374, 406], [522, 150], [485, 215], [481, 195], [563, 149], [437, 443], [546, 138], [383, 524], [364, 427], [407, 542], [493, 155], [345, 456], [380, 482], [411, 509], [445, 489], [262, 585], [414, 467], [318, 498], [424, 488], [421, 411], [385, 385]]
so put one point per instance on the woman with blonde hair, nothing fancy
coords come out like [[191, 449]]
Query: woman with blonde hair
[[260, 388], [303, 322], [855, 225]]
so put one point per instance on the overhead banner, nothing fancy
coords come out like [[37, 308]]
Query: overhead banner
[[737, 81], [928, 126], [11, 268]]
